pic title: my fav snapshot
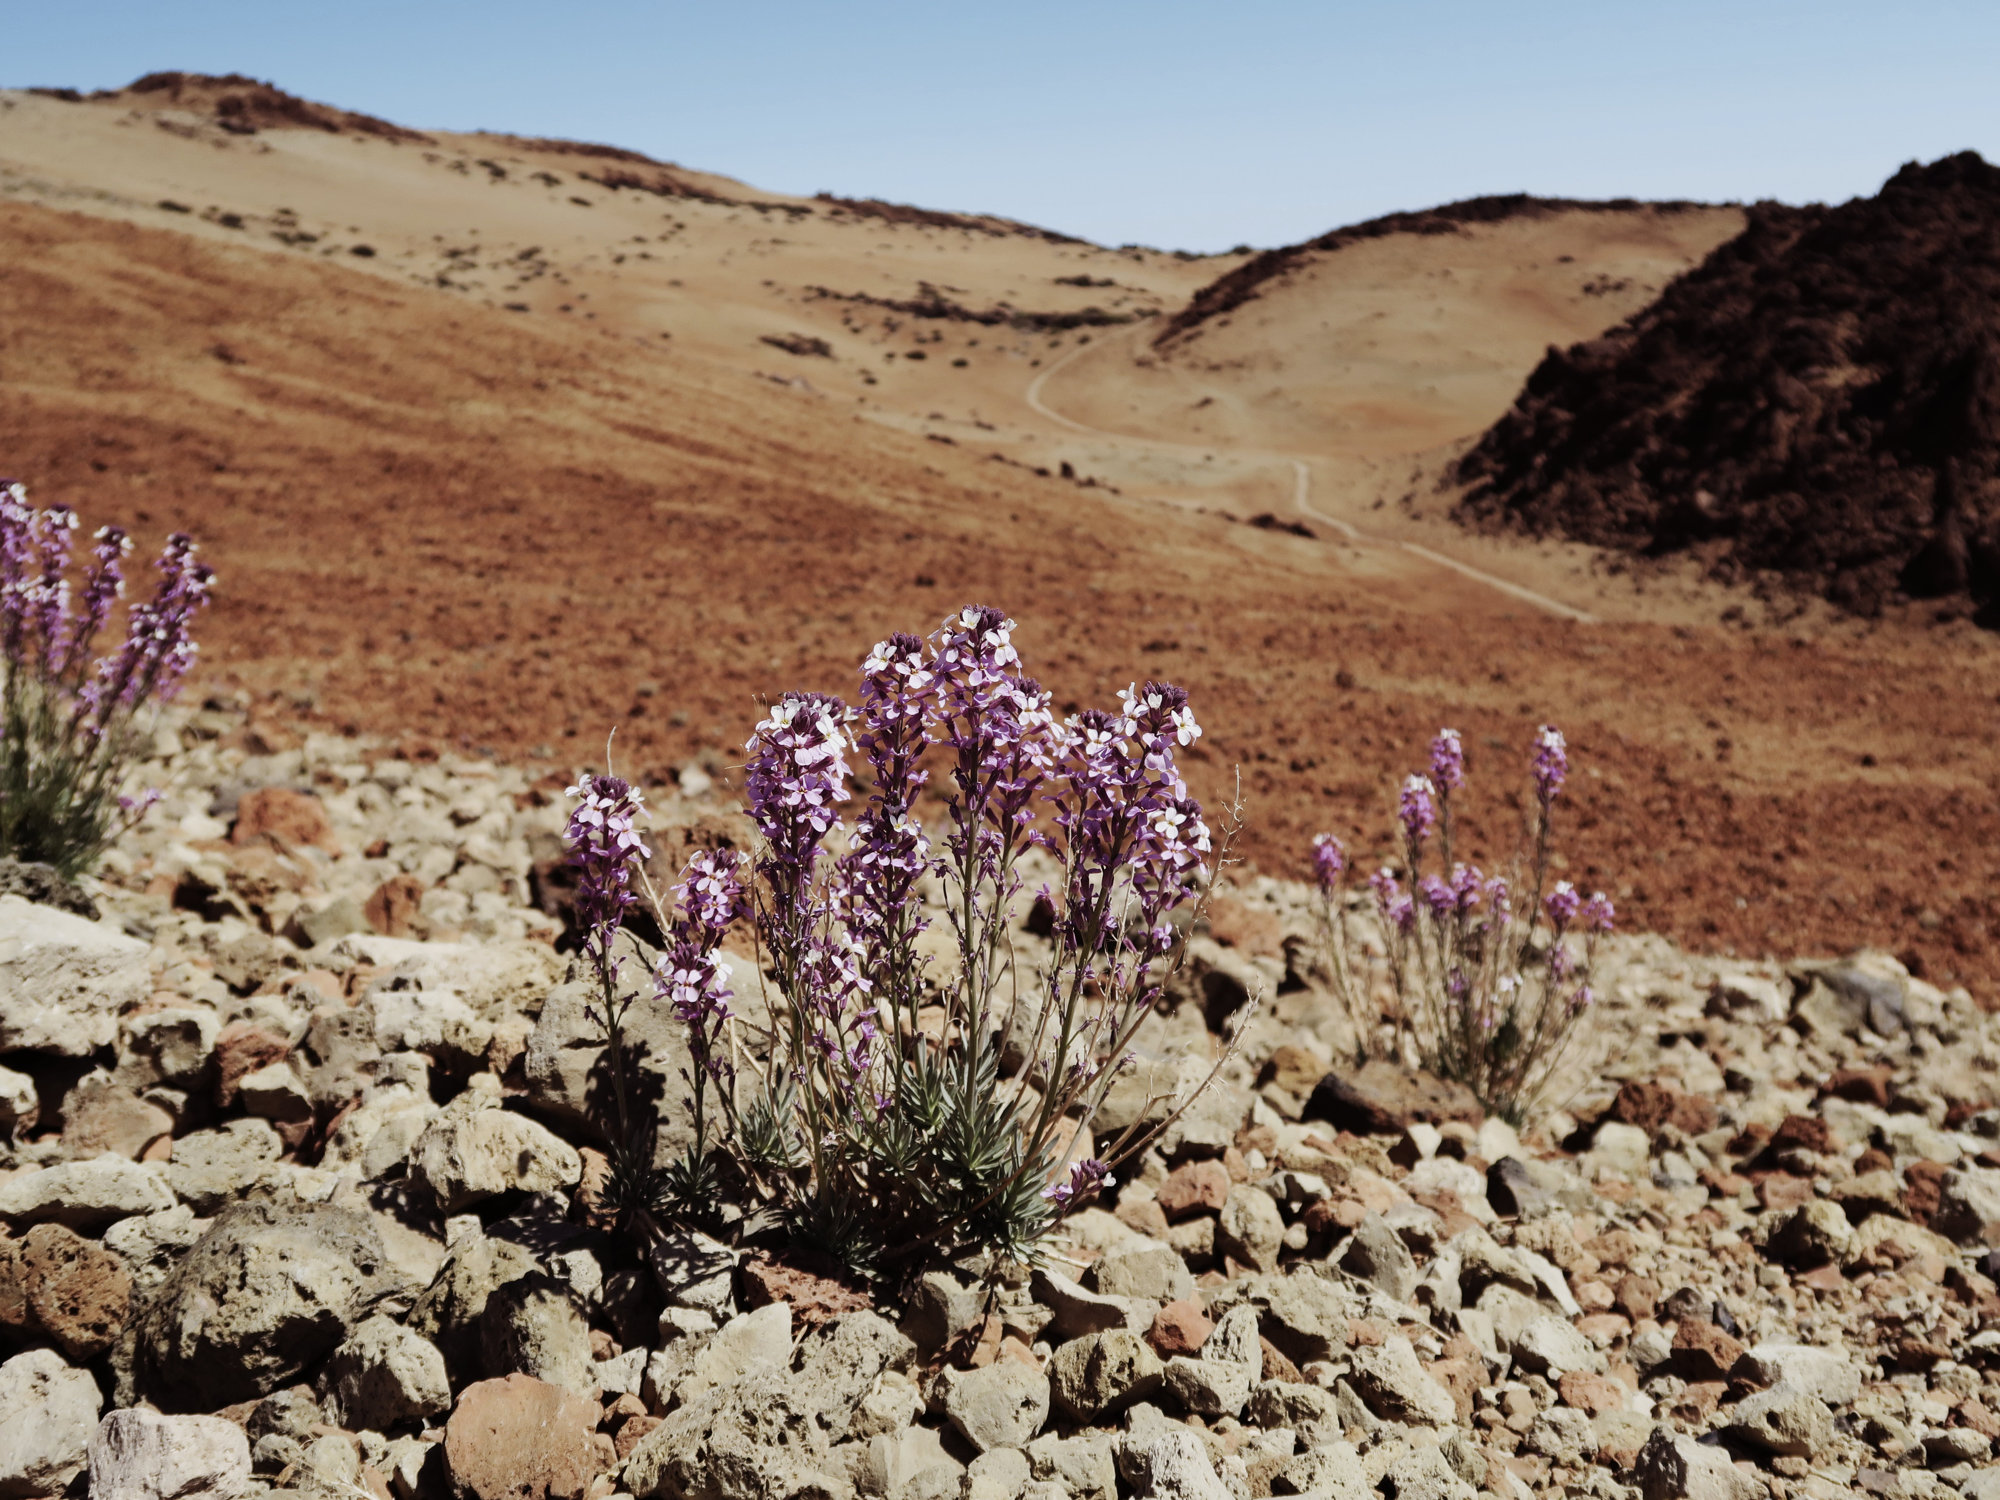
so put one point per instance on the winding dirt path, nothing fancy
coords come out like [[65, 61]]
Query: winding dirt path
[[1302, 499]]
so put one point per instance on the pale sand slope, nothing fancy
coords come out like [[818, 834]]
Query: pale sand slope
[[1369, 363], [1376, 363]]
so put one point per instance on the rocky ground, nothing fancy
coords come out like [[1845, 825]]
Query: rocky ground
[[301, 1195]]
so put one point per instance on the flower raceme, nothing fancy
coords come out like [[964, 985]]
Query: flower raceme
[[1551, 764], [1085, 1178], [1485, 992], [1416, 809], [68, 730], [1448, 761], [692, 977], [606, 848], [1329, 861]]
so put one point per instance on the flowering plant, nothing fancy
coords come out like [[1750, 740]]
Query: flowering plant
[[1489, 987], [875, 1112], [690, 978], [67, 716]]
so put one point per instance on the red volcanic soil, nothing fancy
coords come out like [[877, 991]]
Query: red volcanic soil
[[437, 521]]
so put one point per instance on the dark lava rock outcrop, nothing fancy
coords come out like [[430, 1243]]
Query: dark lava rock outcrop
[[1818, 402]]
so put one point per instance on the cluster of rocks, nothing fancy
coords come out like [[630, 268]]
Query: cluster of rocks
[[301, 1193]]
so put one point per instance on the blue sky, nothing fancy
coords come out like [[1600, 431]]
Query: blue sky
[[1163, 123]]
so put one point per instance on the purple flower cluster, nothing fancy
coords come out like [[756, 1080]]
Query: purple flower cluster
[[834, 995], [796, 777], [1398, 910], [46, 598], [692, 977], [1329, 862], [605, 847], [1085, 1178], [44, 636], [999, 726], [828, 941], [890, 852], [1447, 762], [159, 645], [21, 535], [1563, 903], [1551, 764], [1486, 993], [1125, 812], [1132, 841], [1416, 810], [103, 586], [899, 693], [1567, 909]]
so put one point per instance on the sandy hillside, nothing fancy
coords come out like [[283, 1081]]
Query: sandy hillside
[[532, 466]]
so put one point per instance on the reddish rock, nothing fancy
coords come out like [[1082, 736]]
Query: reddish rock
[[517, 1438], [1782, 1190], [1462, 1377], [1614, 1247], [1703, 1352], [1604, 1328], [1859, 1085], [284, 818], [1592, 1393], [1651, 1105], [395, 905], [1194, 1188], [265, 738], [107, 1119], [1874, 1159], [78, 1291], [1978, 1417], [1803, 1133], [241, 1049], [1915, 1351], [1142, 1215], [1699, 1400], [1722, 1184], [324, 982], [1958, 1111], [1366, 1333], [1249, 929], [1594, 1296], [988, 1341], [1180, 1328], [1323, 1216], [630, 1431], [1923, 1185], [1638, 1297], [818, 1287], [1276, 1366], [1453, 1219]]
